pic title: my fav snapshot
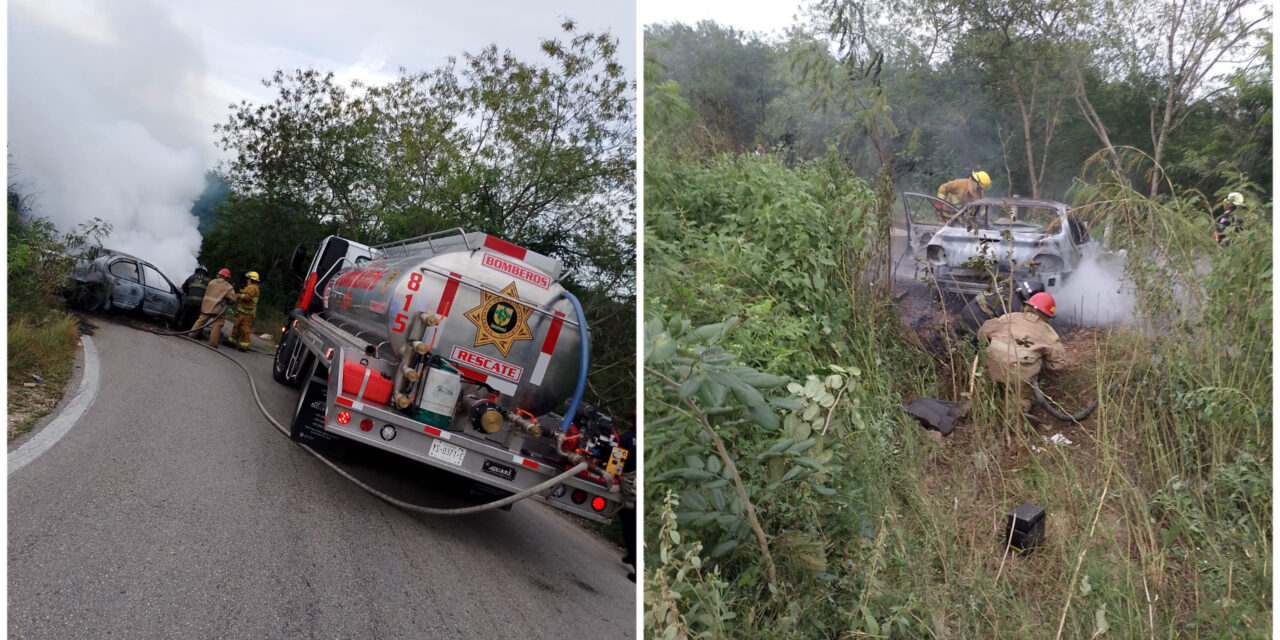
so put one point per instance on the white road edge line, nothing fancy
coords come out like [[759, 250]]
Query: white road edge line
[[70, 415]]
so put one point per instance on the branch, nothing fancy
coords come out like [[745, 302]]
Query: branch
[[737, 479]]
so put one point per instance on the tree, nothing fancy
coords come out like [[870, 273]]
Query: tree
[[1184, 46], [729, 77]]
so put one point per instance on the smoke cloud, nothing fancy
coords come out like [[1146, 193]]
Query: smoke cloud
[[1097, 294], [102, 124]]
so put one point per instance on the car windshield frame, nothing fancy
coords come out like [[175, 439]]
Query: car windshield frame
[[1015, 215]]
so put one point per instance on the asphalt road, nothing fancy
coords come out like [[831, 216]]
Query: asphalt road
[[174, 509]]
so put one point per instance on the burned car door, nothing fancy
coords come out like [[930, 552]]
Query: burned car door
[[925, 215], [126, 283], [160, 298]]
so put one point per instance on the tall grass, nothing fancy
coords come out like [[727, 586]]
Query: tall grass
[[41, 347]]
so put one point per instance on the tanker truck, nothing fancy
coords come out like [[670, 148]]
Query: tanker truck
[[451, 349]]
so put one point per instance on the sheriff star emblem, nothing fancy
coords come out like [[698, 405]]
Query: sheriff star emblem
[[499, 321]]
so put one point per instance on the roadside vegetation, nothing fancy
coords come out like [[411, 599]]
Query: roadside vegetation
[[787, 492], [42, 334]]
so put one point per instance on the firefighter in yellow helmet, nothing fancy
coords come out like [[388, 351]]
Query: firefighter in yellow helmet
[[962, 191], [245, 310], [1020, 344], [1226, 219]]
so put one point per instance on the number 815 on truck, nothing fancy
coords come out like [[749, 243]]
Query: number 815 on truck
[[451, 349]]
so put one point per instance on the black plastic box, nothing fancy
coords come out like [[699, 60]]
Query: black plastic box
[[1027, 523]]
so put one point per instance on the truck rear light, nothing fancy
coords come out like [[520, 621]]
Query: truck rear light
[[344, 417], [578, 496], [598, 503], [366, 425]]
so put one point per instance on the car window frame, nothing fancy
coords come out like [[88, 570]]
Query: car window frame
[[137, 273], [146, 280]]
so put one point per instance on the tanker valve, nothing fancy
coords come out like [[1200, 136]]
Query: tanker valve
[[526, 422], [486, 416], [429, 319], [419, 347], [410, 374], [400, 400]]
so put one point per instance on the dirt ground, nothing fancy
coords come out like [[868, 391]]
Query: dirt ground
[[999, 473], [28, 404]]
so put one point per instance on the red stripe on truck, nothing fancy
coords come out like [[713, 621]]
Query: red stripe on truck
[[553, 334], [450, 290], [504, 247], [304, 296]]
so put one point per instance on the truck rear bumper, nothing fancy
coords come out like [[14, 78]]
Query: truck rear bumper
[[465, 455]]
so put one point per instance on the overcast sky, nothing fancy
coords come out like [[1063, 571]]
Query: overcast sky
[[764, 17], [111, 103]]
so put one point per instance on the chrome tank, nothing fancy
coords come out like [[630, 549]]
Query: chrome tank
[[498, 313]]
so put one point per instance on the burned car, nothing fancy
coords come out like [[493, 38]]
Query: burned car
[[115, 280], [994, 239]]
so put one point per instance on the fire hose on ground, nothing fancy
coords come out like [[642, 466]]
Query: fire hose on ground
[[1075, 417], [497, 504]]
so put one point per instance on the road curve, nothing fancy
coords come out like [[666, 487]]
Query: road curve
[[174, 509]]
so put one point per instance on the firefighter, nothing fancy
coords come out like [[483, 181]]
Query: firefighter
[[1226, 222], [216, 296], [962, 191], [984, 307], [245, 310], [193, 295], [1020, 344]]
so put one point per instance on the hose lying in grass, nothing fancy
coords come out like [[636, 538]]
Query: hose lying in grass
[[1079, 415]]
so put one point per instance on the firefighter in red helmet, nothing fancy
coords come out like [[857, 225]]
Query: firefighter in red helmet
[[1021, 344], [216, 296]]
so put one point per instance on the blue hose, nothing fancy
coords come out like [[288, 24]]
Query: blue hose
[[583, 360]]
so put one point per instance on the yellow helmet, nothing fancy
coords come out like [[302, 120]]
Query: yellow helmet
[[982, 178], [252, 275]]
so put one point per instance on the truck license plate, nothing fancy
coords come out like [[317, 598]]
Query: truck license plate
[[441, 450]]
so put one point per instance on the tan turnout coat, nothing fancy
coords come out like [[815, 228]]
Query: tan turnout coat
[[1019, 345], [216, 296], [960, 191]]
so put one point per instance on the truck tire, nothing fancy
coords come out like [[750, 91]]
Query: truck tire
[[287, 354]]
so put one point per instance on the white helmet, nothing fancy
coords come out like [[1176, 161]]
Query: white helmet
[[1235, 198]]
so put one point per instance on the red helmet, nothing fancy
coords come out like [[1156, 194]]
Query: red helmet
[[1043, 302], [226, 273]]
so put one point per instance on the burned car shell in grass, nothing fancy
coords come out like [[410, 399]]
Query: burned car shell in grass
[[965, 247], [115, 280]]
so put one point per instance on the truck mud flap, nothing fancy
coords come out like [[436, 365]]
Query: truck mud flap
[[308, 420]]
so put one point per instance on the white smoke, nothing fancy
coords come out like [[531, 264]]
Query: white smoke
[[103, 97], [1096, 294]]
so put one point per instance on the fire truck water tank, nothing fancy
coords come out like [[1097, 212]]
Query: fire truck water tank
[[501, 321]]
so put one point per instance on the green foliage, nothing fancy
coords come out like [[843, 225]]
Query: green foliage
[[774, 356], [46, 346], [682, 599], [728, 78], [538, 154], [40, 260], [944, 87]]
